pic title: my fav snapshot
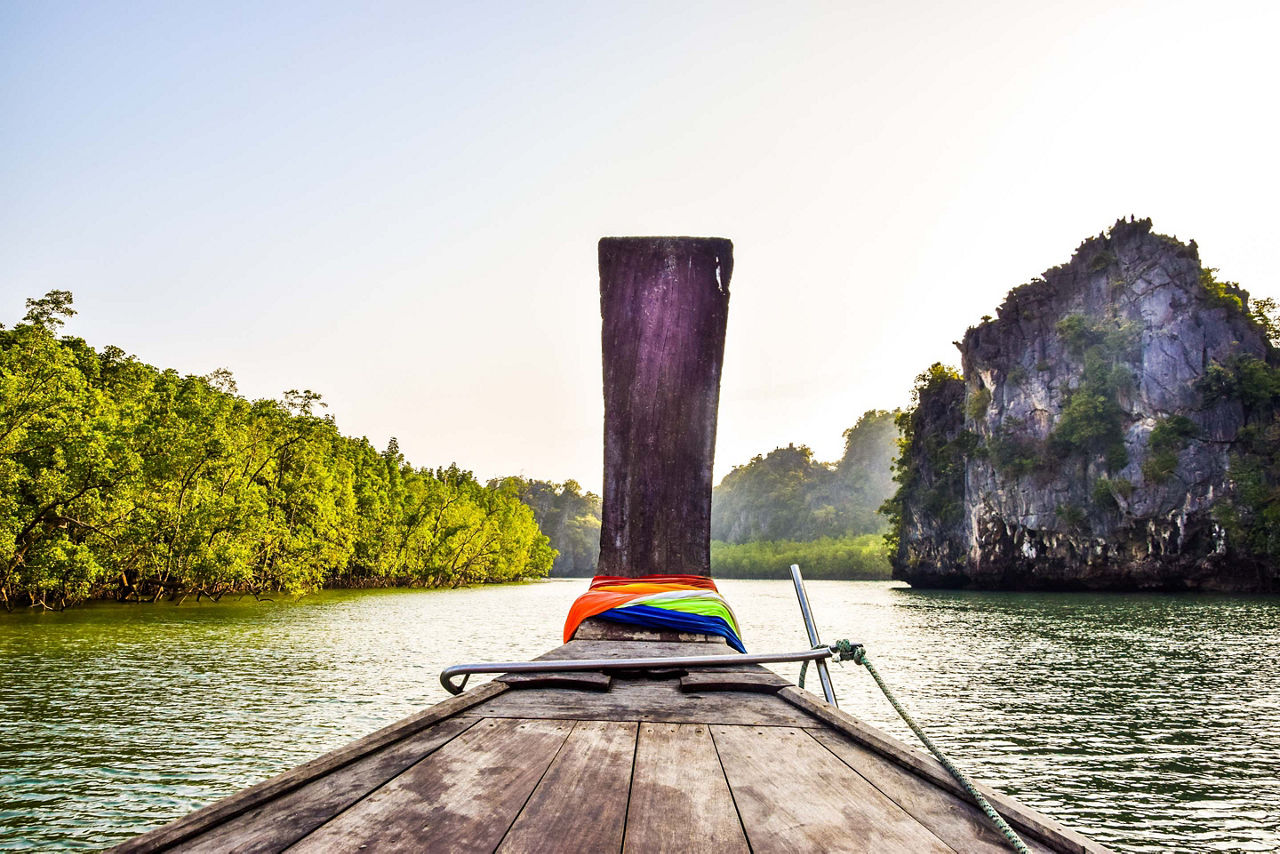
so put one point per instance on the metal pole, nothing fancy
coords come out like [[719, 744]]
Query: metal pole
[[823, 673]]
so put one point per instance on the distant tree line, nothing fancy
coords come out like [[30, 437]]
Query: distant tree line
[[786, 507], [121, 480], [788, 495], [850, 557]]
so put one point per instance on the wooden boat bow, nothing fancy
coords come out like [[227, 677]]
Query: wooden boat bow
[[730, 758]]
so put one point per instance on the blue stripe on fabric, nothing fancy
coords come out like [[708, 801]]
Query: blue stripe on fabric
[[665, 618]]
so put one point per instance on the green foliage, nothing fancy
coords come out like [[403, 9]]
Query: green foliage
[[931, 380], [1072, 517], [1250, 512], [861, 557], [976, 406], [1221, 294], [1107, 491], [1266, 313], [1106, 341], [1014, 454], [766, 499], [50, 311], [1168, 438], [1092, 421], [1160, 466], [1247, 379], [929, 468], [121, 480], [1102, 261], [571, 520], [1077, 332], [788, 495]]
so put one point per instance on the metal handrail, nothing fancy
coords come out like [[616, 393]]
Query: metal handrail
[[465, 670], [824, 675]]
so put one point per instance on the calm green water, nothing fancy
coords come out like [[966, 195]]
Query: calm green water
[[1151, 723]]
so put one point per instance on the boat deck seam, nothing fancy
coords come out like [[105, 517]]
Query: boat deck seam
[[474, 719], [515, 816], [732, 797], [887, 795], [631, 787]]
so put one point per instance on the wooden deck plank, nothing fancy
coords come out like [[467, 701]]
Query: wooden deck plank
[[463, 797], [958, 823], [734, 680], [680, 800], [795, 795], [579, 649], [646, 701], [203, 819], [1025, 820], [711, 645], [581, 803], [584, 681], [279, 823]]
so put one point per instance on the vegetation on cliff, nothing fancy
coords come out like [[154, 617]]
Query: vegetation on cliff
[[1250, 511], [929, 466], [1115, 426], [121, 480]]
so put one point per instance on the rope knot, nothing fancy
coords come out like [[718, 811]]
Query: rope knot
[[848, 651]]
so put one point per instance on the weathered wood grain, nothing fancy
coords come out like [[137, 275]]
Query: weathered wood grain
[[664, 302], [227, 808], [281, 822], [679, 798], [959, 824], [795, 795], [581, 649], [463, 797], [761, 682], [644, 700], [1022, 818], [581, 681], [581, 803]]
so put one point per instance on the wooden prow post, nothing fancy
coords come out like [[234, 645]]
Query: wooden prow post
[[664, 302]]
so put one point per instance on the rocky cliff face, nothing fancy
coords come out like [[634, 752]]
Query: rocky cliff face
[[1084, 448]]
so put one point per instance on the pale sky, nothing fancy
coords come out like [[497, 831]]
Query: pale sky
[[397, 204]]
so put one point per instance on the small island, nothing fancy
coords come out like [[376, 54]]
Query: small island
[[1112, 428]]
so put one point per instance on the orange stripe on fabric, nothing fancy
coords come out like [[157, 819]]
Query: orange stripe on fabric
[[612, 591], [649, 588]]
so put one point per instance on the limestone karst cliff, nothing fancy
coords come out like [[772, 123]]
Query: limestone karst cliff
[[1097, 437]]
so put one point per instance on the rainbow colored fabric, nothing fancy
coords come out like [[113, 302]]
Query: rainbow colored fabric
[[686, 603]]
